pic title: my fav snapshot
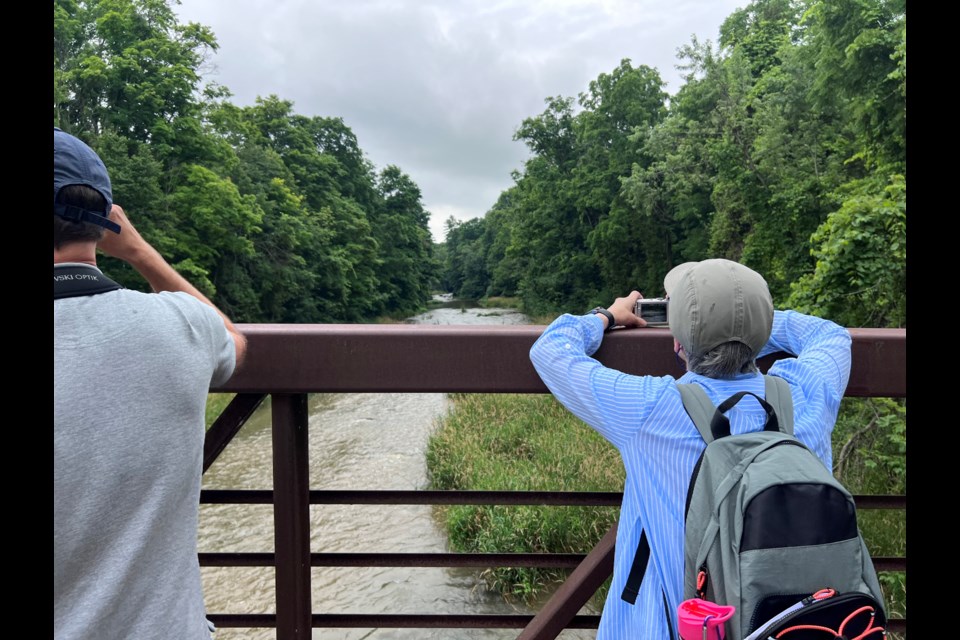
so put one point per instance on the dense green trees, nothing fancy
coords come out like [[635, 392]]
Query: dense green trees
[[783, 149], [277, 216]]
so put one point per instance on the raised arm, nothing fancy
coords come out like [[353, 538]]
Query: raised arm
[[612, 402], [821, 347], [132, 248]]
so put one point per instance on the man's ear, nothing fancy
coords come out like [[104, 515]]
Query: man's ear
[[678, 350]]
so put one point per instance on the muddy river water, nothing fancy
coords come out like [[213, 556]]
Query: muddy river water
[[357, 441]]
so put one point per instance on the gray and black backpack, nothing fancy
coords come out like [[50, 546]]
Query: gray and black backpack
[[769, 530]]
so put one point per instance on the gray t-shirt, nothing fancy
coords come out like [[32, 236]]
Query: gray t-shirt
[[131, 374]]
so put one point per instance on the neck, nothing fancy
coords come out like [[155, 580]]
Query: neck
[[83, 252]]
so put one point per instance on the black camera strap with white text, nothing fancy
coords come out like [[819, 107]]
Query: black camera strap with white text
[[73, 280]]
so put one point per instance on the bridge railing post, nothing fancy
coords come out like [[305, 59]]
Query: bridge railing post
[[291, 515]]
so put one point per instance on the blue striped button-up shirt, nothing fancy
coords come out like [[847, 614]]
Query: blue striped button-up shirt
[[643, 417]]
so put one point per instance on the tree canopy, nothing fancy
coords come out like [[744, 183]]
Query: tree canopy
[[277, 216], [784, 149]]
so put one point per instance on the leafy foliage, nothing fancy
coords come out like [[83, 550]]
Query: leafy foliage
[[784, 149], [861, 252], [278, 217]]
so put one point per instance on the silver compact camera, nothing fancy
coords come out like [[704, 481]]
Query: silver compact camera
[[653, 310]]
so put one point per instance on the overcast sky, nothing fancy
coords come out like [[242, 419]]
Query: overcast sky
[[438, 87]]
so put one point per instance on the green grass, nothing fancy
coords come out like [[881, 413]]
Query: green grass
[[502, 302], [520, 442], [216, 403]]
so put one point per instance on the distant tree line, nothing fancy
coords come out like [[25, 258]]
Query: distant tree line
[[784, 149], [278, 217]]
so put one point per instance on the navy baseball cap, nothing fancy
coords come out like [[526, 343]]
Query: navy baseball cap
[[76, 163]]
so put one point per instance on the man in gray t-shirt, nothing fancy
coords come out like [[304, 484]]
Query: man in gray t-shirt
[[131, 374]]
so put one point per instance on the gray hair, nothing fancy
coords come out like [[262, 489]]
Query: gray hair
[[723, 361]]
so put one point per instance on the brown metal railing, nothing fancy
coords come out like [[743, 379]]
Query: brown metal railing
[[290, 361]]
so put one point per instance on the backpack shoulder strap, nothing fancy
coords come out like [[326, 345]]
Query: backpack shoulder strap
[[777, 393], [699, 408]]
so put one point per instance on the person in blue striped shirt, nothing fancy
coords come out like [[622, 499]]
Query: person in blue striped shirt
[[721, 316]]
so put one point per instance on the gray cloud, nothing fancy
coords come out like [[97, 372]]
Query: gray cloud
[[438, 87]]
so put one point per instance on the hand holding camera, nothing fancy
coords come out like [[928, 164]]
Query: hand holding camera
[[634, 310], [653, 311]]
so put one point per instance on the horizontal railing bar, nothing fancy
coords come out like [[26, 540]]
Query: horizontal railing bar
[[348, 358], [236, 496], [243, 620], [560, 498], [245, 559], [362, 620], [481, 560], [880, 502], [441, 621], [557, 498], [889, 563], [452, 621]]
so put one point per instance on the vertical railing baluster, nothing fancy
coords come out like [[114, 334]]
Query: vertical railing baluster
[[291, 515]]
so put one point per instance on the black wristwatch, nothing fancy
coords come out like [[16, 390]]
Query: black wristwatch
[[610, 320]]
